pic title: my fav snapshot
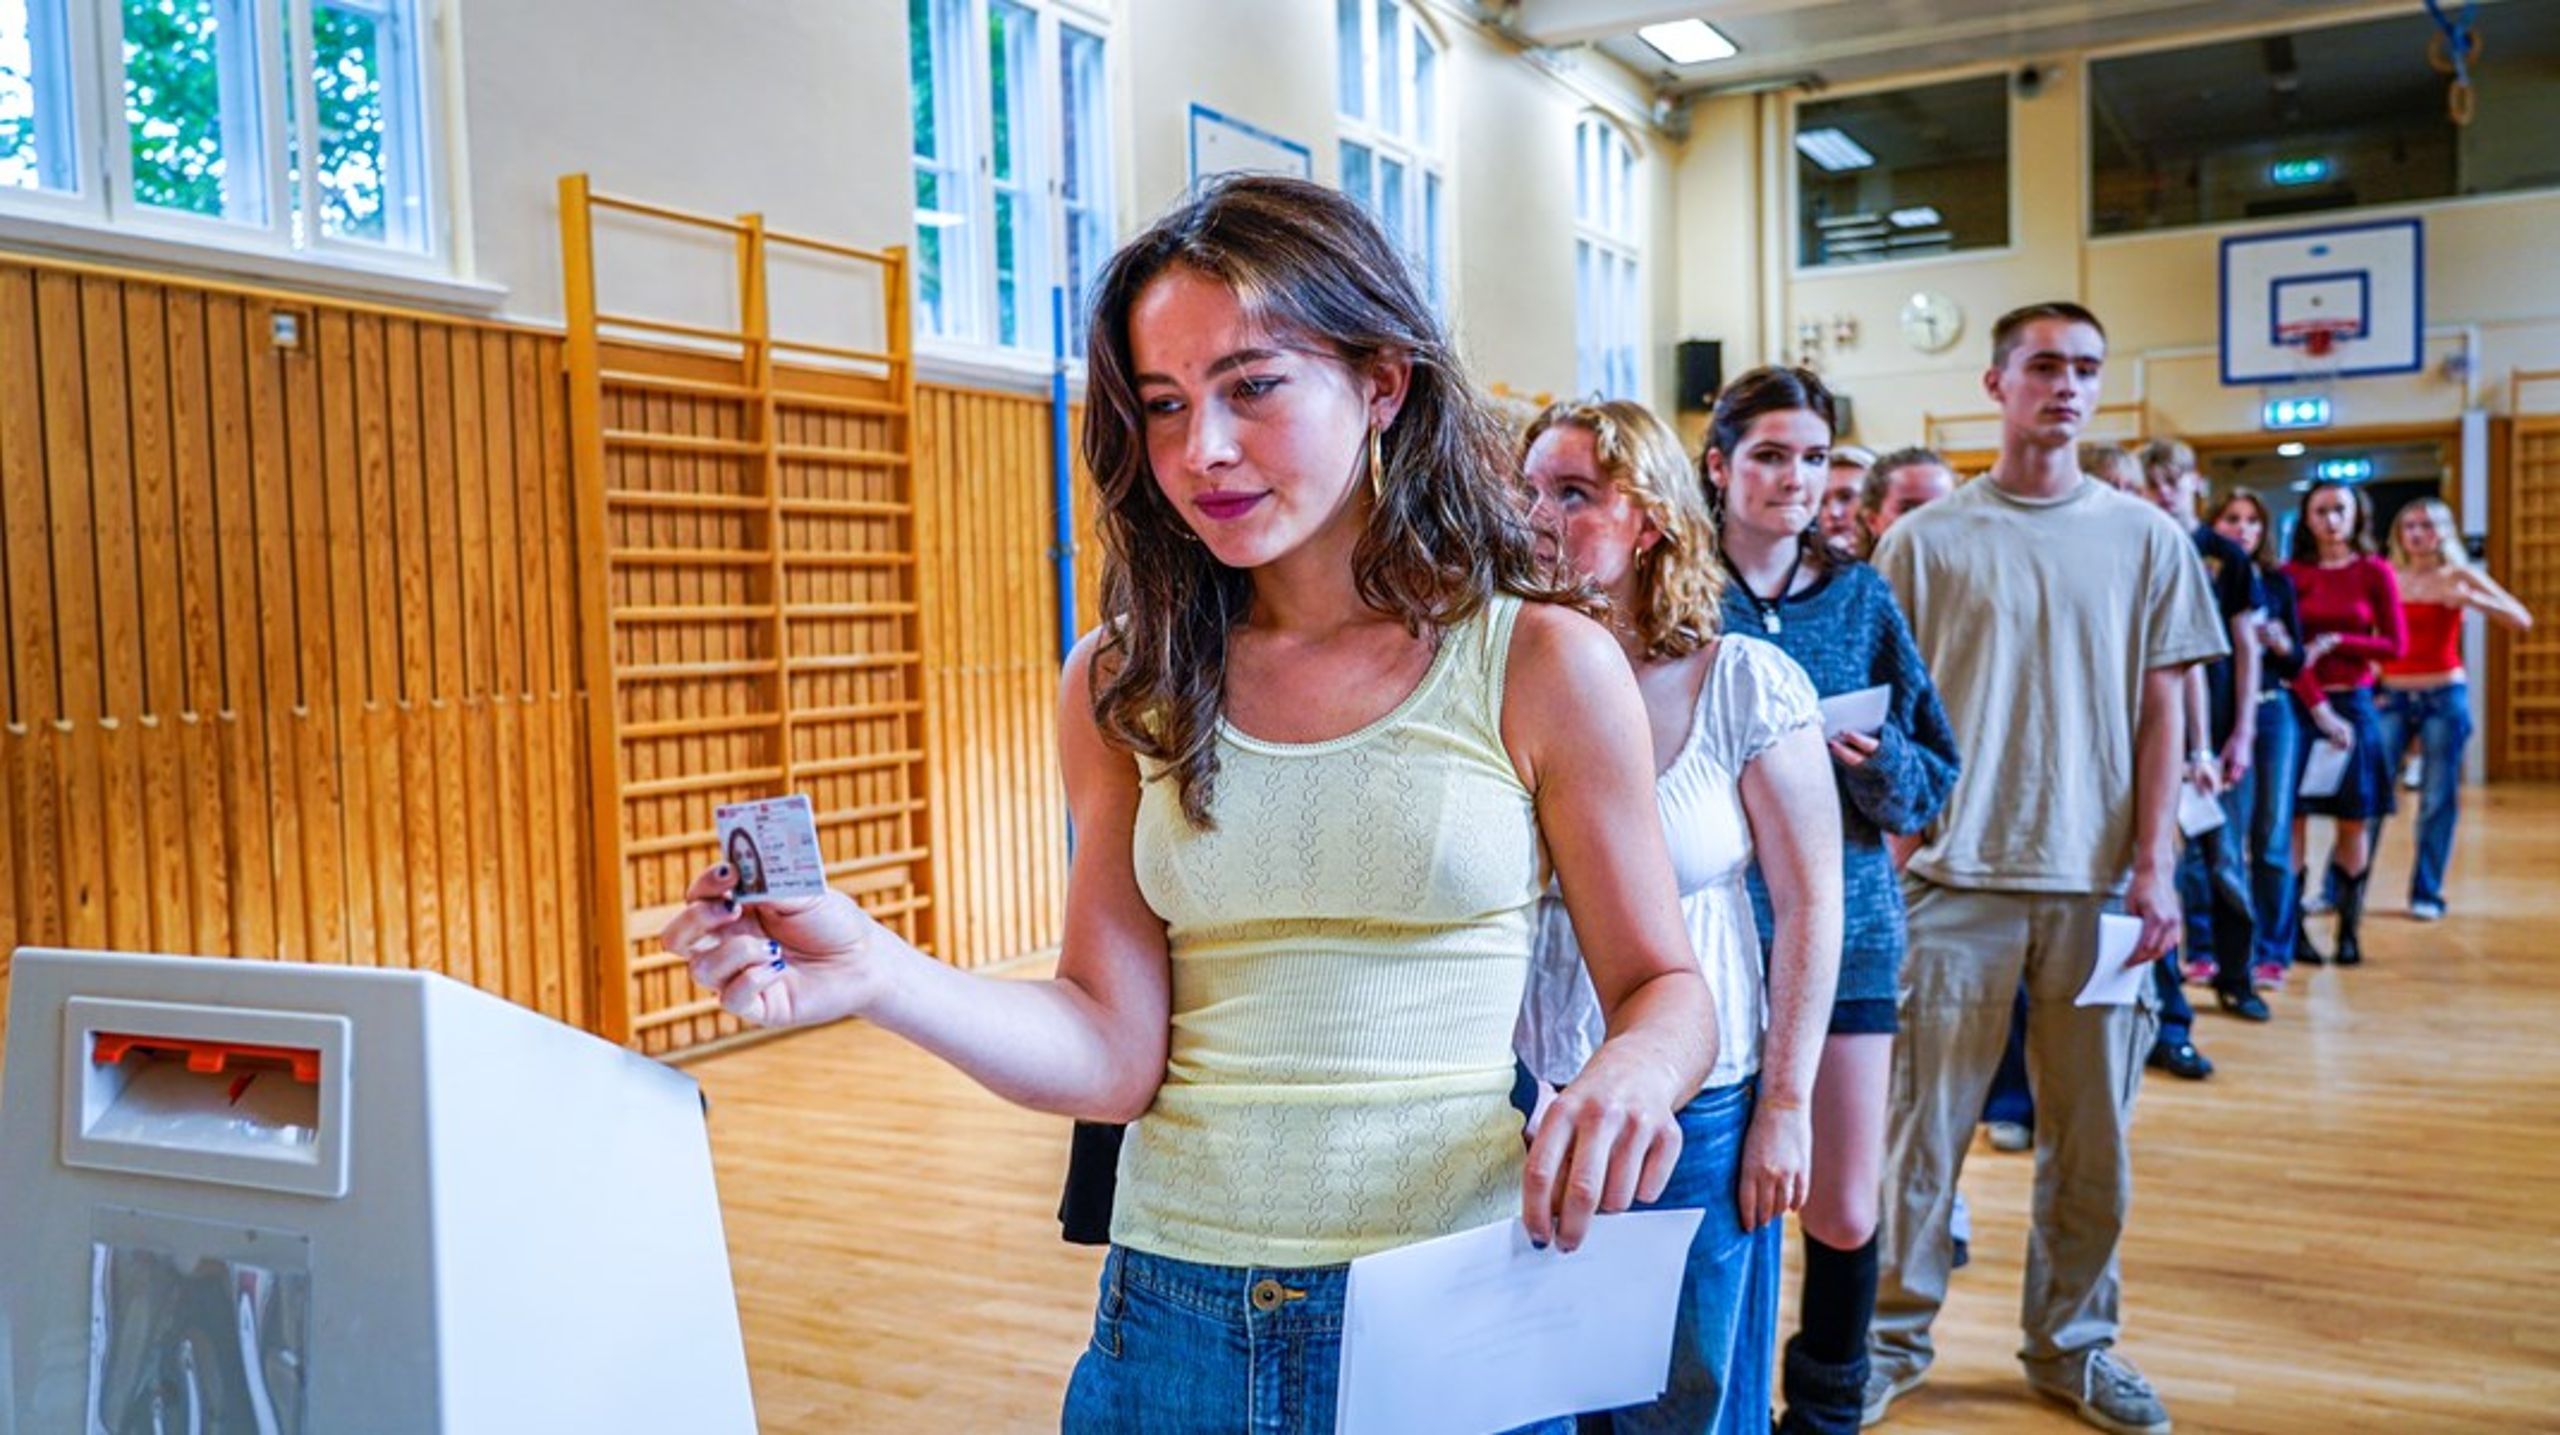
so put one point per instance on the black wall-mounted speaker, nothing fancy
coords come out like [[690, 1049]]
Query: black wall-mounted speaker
[[1701, 363]]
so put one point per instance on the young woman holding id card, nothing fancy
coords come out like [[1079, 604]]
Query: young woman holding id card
[[1332, 732]]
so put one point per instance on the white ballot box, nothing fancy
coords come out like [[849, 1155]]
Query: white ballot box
[[254, 1196]]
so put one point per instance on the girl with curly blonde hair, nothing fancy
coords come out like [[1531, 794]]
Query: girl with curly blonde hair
[[1737, 744]]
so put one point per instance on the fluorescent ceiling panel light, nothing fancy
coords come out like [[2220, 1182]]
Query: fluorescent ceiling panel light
[[2289, 450], [1918, 216], [1833, 150], [1687, 42]]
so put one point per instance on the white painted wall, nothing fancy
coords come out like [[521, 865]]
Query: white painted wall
[[797, 108]]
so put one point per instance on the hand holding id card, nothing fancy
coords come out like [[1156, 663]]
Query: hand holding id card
[[773, 844]]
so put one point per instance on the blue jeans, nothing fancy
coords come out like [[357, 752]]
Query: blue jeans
[[2441, 718], [2213, 891], [1180, 1349], [2010, 1098], [1726, 1339], [2262, 807]]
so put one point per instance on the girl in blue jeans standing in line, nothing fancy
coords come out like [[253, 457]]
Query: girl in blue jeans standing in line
[[2426, 694], [1737, 746], [2261, 806], [1314, 754]]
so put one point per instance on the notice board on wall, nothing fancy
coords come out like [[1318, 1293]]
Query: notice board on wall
[[1223, 144]]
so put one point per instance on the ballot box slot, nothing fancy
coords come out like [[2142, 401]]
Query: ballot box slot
[[209, 1093]]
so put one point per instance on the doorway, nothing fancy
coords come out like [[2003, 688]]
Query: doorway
[[2393, 471]]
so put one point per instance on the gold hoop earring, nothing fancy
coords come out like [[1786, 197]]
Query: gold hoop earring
[[1377, 469]]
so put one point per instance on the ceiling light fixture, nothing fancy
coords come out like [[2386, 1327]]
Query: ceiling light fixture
[[2289, 450], [1918, 216], [1688, 42], [1833, 150]]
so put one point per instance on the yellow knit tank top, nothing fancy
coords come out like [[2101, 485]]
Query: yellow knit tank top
[[1349, 944]]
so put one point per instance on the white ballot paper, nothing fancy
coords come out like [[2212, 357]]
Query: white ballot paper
[[1482, 1331], [2323, 770], [2111, 982], [2198, 811], [1862, 712]]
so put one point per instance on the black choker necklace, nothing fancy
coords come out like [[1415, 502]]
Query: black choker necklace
[[1770, 622]]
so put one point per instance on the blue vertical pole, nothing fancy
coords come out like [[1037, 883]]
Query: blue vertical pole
[[1062, 536]]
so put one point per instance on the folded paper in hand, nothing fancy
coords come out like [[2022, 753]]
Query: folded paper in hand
[[2325, 770], [2111, 982]]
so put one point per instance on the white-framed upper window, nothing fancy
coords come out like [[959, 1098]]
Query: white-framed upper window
[[1608, 305], [1012, 121], [1388, 96], [298, 126]]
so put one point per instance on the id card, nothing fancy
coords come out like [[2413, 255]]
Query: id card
[[773, 844]]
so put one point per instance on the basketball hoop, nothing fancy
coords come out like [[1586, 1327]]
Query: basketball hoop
[[2319, 346]]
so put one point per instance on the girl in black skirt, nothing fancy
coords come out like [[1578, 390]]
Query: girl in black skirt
[[2349, 604]]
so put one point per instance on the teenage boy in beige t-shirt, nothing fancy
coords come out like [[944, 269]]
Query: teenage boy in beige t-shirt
[[2059, 618]]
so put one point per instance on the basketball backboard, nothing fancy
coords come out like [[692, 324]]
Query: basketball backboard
[[2319, 304]]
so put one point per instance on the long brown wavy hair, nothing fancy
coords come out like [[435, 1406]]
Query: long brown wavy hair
[[1312, 272], [1679, 581]]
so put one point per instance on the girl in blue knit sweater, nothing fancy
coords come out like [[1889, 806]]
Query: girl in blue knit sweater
[[1766, 452]]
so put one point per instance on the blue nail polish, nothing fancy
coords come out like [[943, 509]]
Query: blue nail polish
[[776, 964], [773, 946]]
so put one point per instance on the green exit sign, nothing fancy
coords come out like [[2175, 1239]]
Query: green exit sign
[[2310, 411], [2299, 171]]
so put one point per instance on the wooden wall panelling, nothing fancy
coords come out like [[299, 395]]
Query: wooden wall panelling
[[34, 907], [246, 772], [991, 629], [78, 760], [287, 673]]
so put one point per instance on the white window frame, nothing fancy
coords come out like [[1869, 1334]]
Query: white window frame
[[413, 171], [1093, 207], [965, 120], [1414, 80], [101, 210], [69, 52], [1608, 260]]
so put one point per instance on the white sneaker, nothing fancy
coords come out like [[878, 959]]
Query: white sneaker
[[2009, 1135], [2426, 911]]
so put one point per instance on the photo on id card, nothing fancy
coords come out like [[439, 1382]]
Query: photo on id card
[[773, 844]]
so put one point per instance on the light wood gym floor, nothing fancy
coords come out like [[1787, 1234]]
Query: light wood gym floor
[[2353, 1226]]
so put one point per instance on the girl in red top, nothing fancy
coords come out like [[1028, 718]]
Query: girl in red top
[[2349, 603], [2424, 693]]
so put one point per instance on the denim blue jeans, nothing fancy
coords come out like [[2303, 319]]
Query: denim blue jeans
[[2213, 891], [1726, 1338], [2262, 807], [2011, 1098], [2441, 719], [1181, 1348]]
